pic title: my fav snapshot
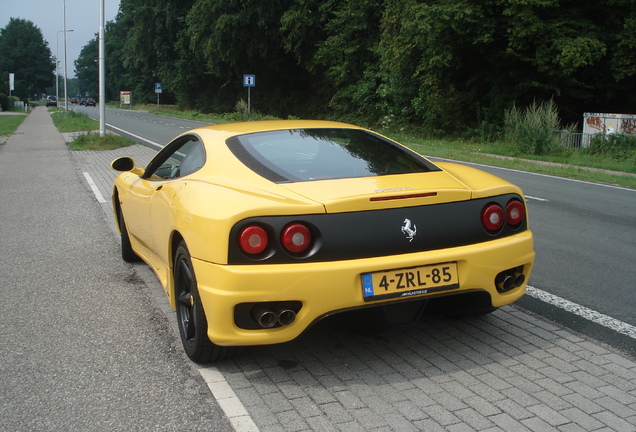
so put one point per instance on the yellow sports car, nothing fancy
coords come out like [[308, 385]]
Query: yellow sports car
[[259, 230]]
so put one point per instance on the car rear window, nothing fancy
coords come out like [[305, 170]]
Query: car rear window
[[321, 154]]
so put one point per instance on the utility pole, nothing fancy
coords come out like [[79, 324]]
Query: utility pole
[[102, 72]]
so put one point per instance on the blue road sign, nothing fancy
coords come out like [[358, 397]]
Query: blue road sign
[[249, 80]]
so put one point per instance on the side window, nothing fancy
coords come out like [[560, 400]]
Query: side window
[[193, 161], [177, 159]]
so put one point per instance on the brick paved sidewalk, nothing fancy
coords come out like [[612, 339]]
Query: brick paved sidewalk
[[509, 371]]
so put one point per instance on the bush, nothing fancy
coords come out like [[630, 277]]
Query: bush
[[533, 130], [241, 114], [616, 146], [4, 102]]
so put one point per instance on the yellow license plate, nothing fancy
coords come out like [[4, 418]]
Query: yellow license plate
[[410, 282]]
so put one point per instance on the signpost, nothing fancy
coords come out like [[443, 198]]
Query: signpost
[[125, 98], [249, 81], [158, 90]]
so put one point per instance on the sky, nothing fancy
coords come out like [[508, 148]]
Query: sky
[[82, 16]]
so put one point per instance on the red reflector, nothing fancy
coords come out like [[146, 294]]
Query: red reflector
[[492, 217], [397, 197], [515, 212], [253, 239], [296, 238]]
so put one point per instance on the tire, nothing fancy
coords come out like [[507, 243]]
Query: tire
[[193, 325], [127, 253]]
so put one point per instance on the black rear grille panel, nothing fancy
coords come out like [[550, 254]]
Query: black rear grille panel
[[366, 234]]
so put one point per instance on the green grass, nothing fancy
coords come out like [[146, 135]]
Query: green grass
[[92, 141], [582, 167], [72, 121], [9, 123]]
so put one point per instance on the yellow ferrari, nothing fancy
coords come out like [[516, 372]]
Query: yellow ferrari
[[259, 230]]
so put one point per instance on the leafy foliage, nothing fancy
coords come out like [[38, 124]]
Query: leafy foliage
[[617, 146], [87, 68], [25, 53], [533, 129], [446, 65]]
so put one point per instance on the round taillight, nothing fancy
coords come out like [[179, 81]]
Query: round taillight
[[515, 212], [253, 239], [492, 217], [296, 238]]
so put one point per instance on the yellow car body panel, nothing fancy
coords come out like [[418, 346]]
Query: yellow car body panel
[[331, 287], [481, 183]]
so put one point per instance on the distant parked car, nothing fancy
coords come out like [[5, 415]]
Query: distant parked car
[[73, 100], [51, 101], [89, 102]]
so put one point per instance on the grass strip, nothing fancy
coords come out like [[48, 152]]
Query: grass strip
[[73, 121], [9, 123], [92, 141]]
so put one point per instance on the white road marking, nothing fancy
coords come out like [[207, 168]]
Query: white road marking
[[94, 188], [228, 401], [530, 197], [153, 144], [589, 314]]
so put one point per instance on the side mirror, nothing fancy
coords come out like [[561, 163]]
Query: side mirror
[[123, 164]]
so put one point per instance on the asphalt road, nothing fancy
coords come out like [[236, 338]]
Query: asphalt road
[[585, 233], [154, 131], [84, 346]]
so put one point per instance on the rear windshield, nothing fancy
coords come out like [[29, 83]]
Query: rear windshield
[[321, 154]]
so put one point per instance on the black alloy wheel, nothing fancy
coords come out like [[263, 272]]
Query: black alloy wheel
[[127, 253], [191, 318]]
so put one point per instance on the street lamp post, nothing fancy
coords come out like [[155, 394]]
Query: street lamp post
[[57, 65], [65, 63], [102, 72]]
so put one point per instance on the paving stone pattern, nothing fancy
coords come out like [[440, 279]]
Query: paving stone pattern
[[509, 371]]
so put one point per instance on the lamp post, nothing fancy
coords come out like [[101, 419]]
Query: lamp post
[[102, 72], [65, 63], [57, 64]]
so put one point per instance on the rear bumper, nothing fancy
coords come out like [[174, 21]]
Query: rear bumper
[[330, 287]]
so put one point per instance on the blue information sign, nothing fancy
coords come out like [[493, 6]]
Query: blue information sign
[[249, 80]]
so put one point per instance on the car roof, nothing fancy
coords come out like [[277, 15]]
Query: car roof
[[231, 129]]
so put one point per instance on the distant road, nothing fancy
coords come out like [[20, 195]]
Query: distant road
[[585, 233], [145, 128]]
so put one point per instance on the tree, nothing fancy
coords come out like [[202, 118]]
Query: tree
[[349, 53], [452, 63], [448, 65], [87, 68], [237, 37], [25, 53]]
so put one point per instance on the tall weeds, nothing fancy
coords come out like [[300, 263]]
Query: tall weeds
[[532, 130]]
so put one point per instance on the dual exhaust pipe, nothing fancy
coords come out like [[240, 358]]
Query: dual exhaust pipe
[[268, 318], [509, 279]]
